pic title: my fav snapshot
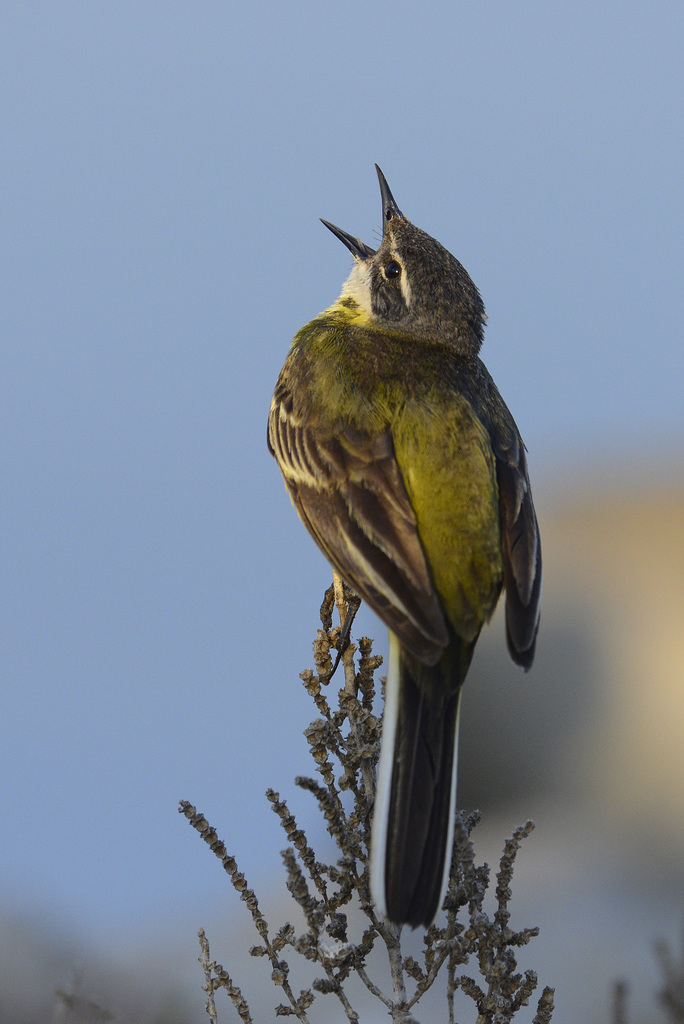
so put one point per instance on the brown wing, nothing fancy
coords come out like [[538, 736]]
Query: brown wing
[[521, 550], [349, 492]]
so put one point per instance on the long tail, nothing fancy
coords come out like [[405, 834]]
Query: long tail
[[415, 805]]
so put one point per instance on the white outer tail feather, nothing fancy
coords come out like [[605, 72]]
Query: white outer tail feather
[[383, 785], [383, 788], [452, 810]]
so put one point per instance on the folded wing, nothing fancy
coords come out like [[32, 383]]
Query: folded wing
[[521, 550], [349, 492]]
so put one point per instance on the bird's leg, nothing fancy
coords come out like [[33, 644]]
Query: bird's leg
[[347, 603]]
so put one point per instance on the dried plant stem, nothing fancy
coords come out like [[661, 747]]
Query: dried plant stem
[[344, 744], [207, 967], [351, 684], [280, 967]]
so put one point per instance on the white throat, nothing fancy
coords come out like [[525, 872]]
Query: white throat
[[357, 286]]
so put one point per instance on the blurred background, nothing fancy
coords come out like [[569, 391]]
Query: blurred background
[[162, 172]]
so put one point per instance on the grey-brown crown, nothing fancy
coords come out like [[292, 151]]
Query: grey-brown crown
[[413, 284]]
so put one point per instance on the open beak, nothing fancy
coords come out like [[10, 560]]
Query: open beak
[[389, 206], [357, 248]]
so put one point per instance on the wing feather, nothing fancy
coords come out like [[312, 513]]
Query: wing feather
[[521, 551], [349, 492]]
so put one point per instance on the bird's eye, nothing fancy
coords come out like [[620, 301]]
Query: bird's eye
[[393, 269]]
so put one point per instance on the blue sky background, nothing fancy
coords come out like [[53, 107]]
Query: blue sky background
[[162, 172]]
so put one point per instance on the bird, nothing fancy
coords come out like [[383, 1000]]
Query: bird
[[409, 472]]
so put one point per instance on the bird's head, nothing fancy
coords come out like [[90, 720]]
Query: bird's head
[[412, 285]]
